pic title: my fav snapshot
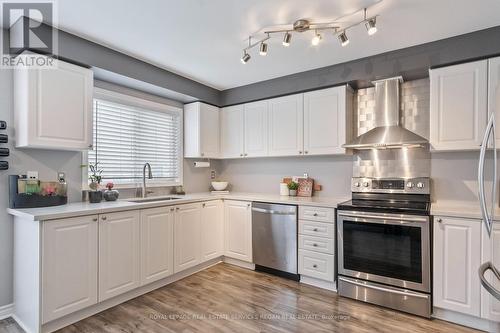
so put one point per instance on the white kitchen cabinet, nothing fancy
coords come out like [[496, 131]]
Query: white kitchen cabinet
[[212, 229], [201, 130], [119, 253], [256, 131], [238, 230], [457, 257], [494, 93], [490, 306], [458, 106], [53, 107], [187, 236], [69, 250], [326, 125], [157, 244], [232, 131], [286, 126]]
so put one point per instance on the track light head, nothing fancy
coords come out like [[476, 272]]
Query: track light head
[[263, 49], [287, 38], [371, 26], [316, 39], [343, 39], [245, 57]]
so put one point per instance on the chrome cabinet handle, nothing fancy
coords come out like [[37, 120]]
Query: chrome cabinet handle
[[487, 218], [315, 266], [300, 152], [104, 218], [482, 270], [439, 220], [315, 229], [177, 208], [314, 244], [94, 219], [315, 214]]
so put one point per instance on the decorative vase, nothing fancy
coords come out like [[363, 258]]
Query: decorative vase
[[293, 193], [111, 195], [95, 196]]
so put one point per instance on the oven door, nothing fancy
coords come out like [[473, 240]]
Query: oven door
[[388, 248]]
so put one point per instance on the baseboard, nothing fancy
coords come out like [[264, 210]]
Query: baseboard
[[240, 263], [332, 286], [21, 324], [6, 311], [92, 310], [466, 320]]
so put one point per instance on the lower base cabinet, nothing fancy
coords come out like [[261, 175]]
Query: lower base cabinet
[[119, 253], [187, 233], [212, 229], [238, 230], [157, 244], [69, 280]]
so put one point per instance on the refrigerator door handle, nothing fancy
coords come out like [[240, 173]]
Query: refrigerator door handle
[[489, 133], [496, 274]]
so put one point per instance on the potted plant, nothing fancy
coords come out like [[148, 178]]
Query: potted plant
[[110, 194], [95, 195], [292, 188]]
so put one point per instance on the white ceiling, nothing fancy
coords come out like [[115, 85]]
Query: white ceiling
[[203, 39]]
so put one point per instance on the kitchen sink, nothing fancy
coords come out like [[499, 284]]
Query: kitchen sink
[[153, 199]]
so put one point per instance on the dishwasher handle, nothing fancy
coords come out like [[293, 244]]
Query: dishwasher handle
[[271, 211]]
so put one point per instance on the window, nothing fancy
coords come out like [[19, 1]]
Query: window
[[128, 132]]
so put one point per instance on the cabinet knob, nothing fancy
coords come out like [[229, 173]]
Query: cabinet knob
[[203, 204], [202, 154], [172, 209], [94, 219], [315, 214], [248, 205], [300, 151], [306, 152], [315, 229], [439, 220], [315, 266], [91, 146], [246, 154], [241, 155], [104, 218], [315, 244], [177, 208]]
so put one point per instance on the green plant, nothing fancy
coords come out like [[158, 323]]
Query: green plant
[[95, 176], [293, 186]]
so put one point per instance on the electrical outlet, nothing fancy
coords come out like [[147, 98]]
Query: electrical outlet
[[212, 174], [32, 175]]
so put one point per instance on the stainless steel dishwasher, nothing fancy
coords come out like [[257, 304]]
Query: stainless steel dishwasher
[[274, 239]]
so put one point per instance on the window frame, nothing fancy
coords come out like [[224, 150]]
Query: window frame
[[120, 98]]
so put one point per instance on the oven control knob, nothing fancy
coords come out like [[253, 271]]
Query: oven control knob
[[420, 185], [366, 184], [357, 184], [410, 185]]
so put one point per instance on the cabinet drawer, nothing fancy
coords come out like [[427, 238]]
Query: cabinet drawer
[[316, 229], [316, 265], [318, 244], [317, 214]]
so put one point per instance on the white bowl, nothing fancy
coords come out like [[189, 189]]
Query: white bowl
[[219, 186]]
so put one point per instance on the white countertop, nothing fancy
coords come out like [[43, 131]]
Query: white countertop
[[85, 208], [464, 209]]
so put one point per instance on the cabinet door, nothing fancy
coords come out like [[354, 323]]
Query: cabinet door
[[325, 121], [212, 230], [238, 230], [54, 107], [490, 306], [494, 93], [187, 236], [286, 129], [119, 253], [69, 266], [157, 244], [458, 106], [256, 118], [457, 256], [232, 131], [209, 131]]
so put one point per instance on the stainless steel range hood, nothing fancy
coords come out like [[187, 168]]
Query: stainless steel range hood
[[387, 132]]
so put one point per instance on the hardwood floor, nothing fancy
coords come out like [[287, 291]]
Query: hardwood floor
[[226, 298]]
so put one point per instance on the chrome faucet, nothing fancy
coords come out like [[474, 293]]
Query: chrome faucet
[[150, 176]]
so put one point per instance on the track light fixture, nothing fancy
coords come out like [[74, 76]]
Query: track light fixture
[[343, 38], [337, 26], [287, 38]]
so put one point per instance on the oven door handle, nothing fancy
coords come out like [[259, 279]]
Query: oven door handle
[[402, 220], [388, 290]]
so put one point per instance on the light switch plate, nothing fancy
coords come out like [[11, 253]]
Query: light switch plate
[[212, 174]]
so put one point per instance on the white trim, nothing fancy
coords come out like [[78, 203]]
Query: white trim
[[465, 320], [136, 102], [239, 263], [6, 311], [332, 286], [21, 324]]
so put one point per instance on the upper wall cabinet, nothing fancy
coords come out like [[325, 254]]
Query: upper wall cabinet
[[458, 106], [256, 131], [325, 120], [232, 128], [53, 107], [494, 93], [201, 130], [286, 125]]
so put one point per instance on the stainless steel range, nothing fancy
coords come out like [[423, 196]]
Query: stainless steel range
[[384, 244]]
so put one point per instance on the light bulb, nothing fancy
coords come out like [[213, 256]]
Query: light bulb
[[316, 39]]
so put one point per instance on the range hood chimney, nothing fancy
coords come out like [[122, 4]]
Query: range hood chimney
[[387, 132]]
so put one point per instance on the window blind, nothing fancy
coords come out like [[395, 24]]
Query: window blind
[[126, 137]]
